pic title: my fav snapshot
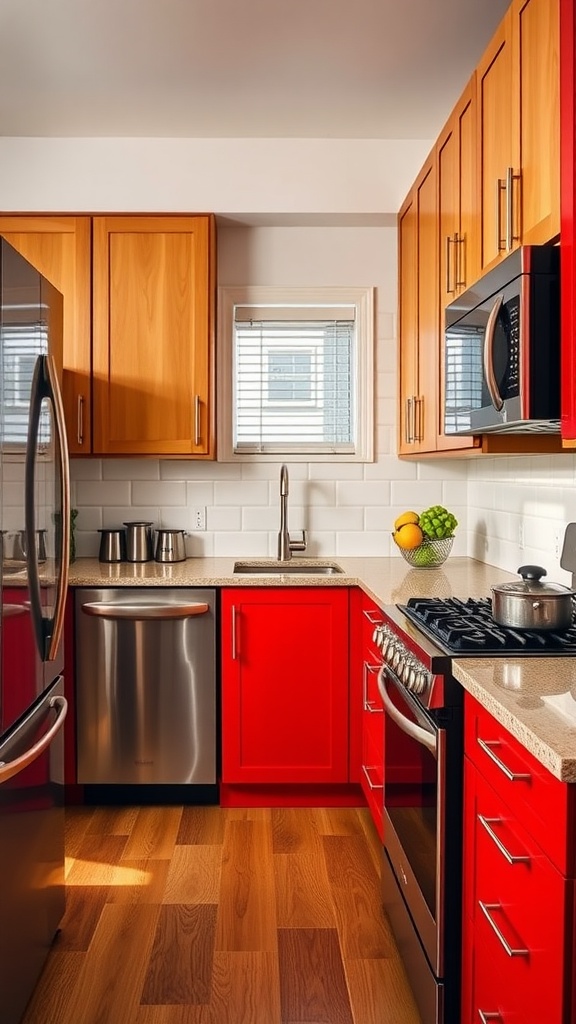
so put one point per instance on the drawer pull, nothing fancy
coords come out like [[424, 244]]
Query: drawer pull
[[372, 785], [486, 908], [486, 746], [510, 857], [486, 1016], [373, 618], [370, 705]]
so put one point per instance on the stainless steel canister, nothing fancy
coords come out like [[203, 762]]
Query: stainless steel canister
[[138, 541], [112, 545], [170, 546]]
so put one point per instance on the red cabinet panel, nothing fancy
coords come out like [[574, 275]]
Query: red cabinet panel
[[284, 685], [517, 905], [367, 714]]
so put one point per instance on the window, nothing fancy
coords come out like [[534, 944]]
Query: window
[[296, 373]]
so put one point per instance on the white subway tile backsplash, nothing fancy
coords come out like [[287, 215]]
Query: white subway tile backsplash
[[416, 495], [336, 519], [130, 469], [231, 493], [373, 492], [103, 492], [85, 469], [167, 492]]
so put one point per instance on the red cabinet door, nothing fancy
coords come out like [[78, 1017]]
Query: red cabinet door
[[284, 685]]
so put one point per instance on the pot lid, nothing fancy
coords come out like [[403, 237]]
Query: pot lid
[[531, 584]]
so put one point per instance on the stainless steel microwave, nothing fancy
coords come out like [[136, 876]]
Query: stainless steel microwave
[[502, 348]]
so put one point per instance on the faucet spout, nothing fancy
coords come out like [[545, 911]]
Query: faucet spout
[[285, 544]]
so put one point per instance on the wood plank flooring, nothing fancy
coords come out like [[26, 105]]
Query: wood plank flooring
[[206, 915]]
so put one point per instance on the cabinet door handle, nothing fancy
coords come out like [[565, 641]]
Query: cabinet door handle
[[510, 857], [500, 188], [374, 620], [510, 950], [408, 420], [460, 261], [80, 420], [486, 746], [510, 236], [234, 639], [487, 1015], [449, 242], [368, 704], [197, 419], [372, 785], [418, 419]]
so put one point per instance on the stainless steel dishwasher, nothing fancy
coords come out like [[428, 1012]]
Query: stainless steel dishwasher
[[146, 687]]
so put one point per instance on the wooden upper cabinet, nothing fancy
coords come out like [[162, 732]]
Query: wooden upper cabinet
[[458, 216], [518, 85], [418, 300], [59, 247], [537, 83], [153, 344], [458, 229]]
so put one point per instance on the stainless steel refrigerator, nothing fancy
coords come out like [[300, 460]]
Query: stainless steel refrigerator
[[35, 527]]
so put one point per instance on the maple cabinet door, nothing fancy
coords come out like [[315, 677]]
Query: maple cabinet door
[[152, 336], [285, 685], [59, 248]]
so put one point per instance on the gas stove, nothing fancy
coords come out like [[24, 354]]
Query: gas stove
[[466, 628]]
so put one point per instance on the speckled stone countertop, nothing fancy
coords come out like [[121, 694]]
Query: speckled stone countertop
[[531, 697]]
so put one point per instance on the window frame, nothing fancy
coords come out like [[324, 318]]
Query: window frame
[[362, 299]]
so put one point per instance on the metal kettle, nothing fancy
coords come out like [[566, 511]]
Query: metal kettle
[[138, 541]]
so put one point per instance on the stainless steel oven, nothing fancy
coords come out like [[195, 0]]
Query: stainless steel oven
[[421, 868]]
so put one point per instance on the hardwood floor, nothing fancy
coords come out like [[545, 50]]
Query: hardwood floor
[[205, 915]]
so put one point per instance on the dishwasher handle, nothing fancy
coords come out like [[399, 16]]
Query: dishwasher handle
[[154, 610]]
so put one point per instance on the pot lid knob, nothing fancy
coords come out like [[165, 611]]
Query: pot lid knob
[[532, 572]]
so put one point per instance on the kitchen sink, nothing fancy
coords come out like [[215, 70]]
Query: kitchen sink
[[262, 568]]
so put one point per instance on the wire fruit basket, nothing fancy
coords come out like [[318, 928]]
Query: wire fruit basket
[[429, 554]]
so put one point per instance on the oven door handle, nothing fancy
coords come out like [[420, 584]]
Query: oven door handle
[[426, 737]]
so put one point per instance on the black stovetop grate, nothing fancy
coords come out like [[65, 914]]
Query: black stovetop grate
[[467, 627]]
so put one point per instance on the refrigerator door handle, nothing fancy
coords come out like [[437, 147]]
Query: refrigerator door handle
[[12, 768], [45, 385]]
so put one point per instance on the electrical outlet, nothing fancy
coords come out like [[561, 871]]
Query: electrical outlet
[[521, 536], [557, 542], [199, 518]]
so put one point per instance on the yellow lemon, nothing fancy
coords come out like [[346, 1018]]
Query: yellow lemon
[[409, 536], [406, 517]]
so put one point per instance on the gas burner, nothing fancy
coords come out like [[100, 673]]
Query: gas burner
[[467, 627]]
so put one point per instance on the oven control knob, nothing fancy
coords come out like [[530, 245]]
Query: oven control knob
[[421, 681], [396, 657], [409, 672]]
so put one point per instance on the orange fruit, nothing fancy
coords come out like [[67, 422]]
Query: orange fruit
[[405, 518], [409, 536]]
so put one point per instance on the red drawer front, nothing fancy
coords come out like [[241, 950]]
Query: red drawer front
[[372, 777], [525, 898], [541, 803]]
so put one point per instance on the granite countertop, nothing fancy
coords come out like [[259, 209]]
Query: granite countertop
[[532, 697]]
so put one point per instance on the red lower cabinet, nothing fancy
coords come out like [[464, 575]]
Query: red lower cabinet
[[285, 685], [517, 904]]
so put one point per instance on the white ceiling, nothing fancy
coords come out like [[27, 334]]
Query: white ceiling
[[345, 69]]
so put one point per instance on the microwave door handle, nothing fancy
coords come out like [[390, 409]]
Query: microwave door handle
[[489, 377], [416, 732]]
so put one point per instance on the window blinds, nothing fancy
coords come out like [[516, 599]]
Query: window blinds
[[294, 387], [21, 344]]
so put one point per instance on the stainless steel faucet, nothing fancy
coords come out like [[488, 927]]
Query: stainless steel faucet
[[285, 544]]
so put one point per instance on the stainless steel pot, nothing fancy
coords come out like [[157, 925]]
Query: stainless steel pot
[[170, 546], [531, 604]]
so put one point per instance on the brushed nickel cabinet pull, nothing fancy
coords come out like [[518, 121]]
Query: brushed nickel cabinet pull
[[510, 950], [374, 621], [449, 242], [486, 746], [510, 857], [80, 423], [197, 419], [501, 242], [460, 261], [372, 785], [369, 705], [234, 646], [486, 1016], [408, 420]]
